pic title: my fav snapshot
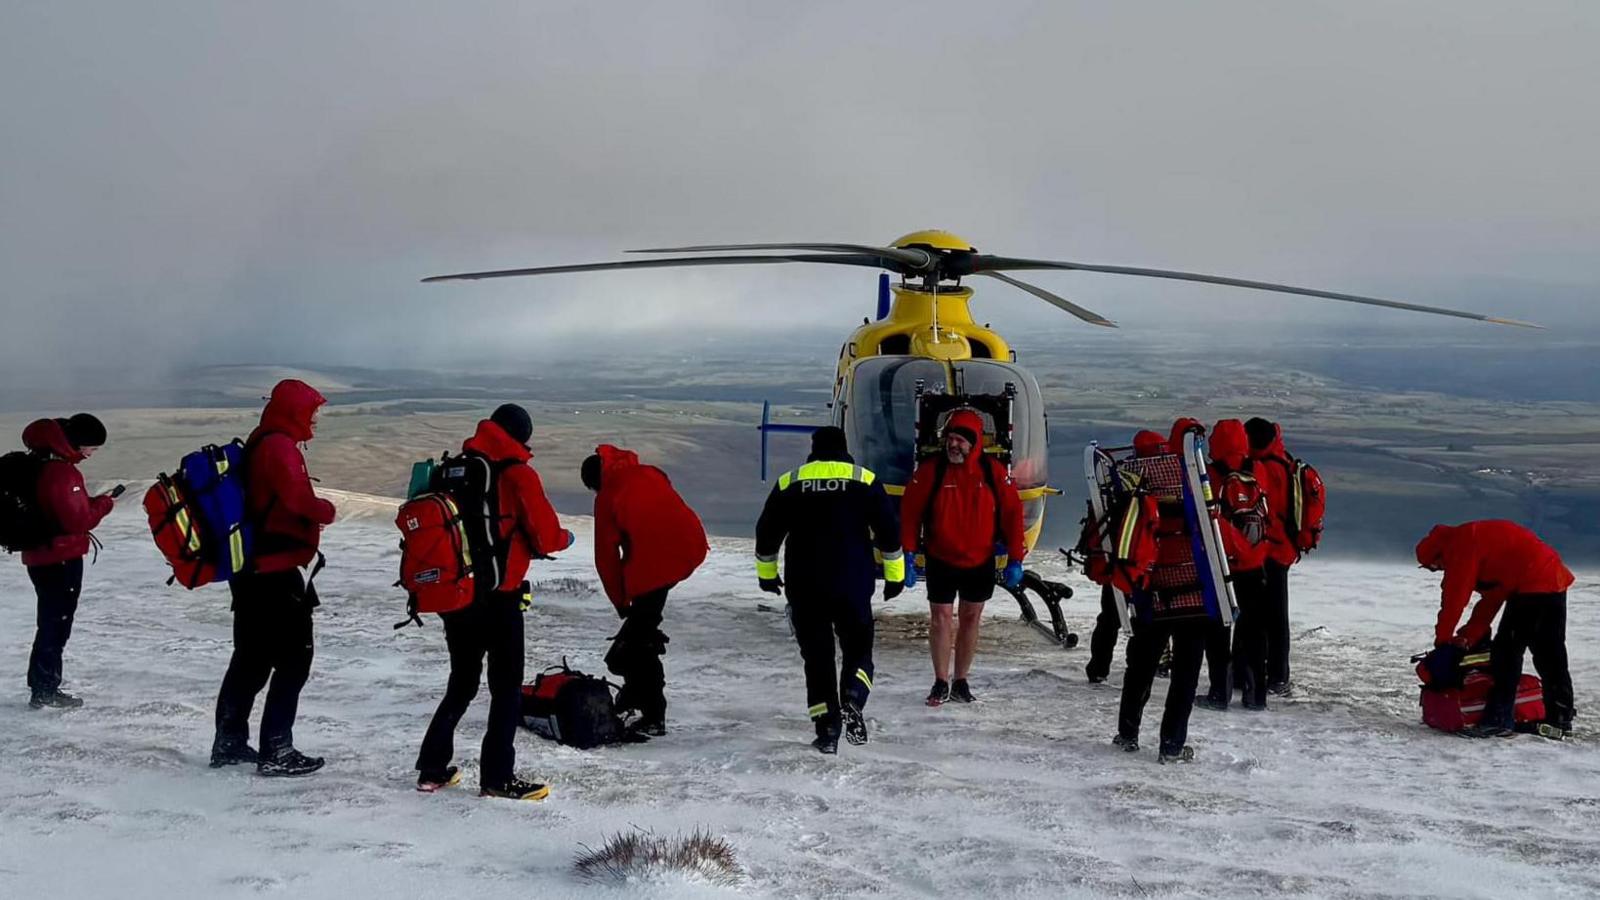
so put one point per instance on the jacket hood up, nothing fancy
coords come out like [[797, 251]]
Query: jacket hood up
[[290, 408]]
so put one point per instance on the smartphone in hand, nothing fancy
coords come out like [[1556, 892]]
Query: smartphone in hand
[[118, 491]]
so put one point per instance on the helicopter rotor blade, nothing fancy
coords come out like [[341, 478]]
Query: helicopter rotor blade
[[918, 260], [840, 259], [1090, 316], [987, 264]]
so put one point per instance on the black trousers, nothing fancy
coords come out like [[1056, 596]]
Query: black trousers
[[1103, 641], [818, 620], [635, 656], [1277, 623], [1149, 639], [57, 586], [1537, 623], [272, 640], [1249, 657], [490, 628]]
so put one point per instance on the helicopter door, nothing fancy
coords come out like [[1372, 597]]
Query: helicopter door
[[880, 415]]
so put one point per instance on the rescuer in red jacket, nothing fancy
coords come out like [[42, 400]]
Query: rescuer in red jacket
[[959, 507], [1271, 467], [1244, 520], [56, 567], [491, 628], [273, 599], [1108, 625], [1509, 566], [646, 540]]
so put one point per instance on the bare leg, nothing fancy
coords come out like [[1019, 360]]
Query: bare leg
[[967, 637], [941, 635]]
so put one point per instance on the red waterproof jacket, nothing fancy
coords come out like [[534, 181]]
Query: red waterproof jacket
[[62, 497], [1272, 469], [961, 531], [289, 515], [527, 520], [645, 537], [1238, 492], [1497, 559]]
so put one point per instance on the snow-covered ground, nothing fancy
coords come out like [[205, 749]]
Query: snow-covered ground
[[1340, 793]]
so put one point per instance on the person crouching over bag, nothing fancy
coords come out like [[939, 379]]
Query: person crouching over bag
[[646, 541], [1509, 566]]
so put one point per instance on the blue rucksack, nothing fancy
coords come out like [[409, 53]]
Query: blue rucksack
[[198, 516]]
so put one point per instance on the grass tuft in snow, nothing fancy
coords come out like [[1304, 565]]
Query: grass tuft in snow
[[642, 855], [564, 587]]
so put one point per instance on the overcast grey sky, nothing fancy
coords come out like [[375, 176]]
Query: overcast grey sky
[[271, 179]]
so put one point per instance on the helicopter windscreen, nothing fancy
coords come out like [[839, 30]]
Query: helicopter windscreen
[[1029, 450], [880, 415]]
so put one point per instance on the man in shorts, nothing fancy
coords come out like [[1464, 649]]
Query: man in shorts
[[961, 512]]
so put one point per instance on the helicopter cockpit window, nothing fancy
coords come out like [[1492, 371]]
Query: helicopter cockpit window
[[1029, 451], [880, 419]]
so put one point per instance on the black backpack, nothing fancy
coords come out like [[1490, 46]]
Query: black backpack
[[472, 481], [569, 707], [23, 524]]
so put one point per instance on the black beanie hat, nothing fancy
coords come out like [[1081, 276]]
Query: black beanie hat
[[590, 472], [84, 430], [828, 442], [515, 421], [1261, 433]]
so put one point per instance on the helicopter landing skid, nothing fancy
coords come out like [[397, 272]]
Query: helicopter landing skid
[[1052, 593]]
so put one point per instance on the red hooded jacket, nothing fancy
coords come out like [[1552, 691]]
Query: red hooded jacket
[[289, 515], [1237, 491], [645, 537], [62, 497], [1497, 559], [1271, 467], [961, 532], [527, 520]]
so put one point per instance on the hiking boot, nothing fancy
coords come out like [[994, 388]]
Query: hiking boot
[[1182, 755], [1554, 731], [1253, 706], [939, 694], [428, 782], [1128, 744], [288, 763], [1487, 731], [55, 699], [232, 753], [1211, 702], [1094, 677], [959, 692], [516, 789], [826, 743], [646, 727], [855, 725], [1281, 689]]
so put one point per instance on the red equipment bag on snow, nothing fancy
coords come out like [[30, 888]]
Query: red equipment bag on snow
[[569, 707], [435, 559], [1453, 709]]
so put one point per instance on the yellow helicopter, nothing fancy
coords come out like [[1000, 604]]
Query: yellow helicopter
[[901, 375]]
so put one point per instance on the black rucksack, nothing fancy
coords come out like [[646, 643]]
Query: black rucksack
[[569, 707], [472, 481], [23, 524]]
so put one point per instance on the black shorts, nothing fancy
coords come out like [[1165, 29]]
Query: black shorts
[[946, 582]]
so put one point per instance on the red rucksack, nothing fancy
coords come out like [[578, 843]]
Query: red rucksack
[[435, 556], [1308, 502], [1133, 545]]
